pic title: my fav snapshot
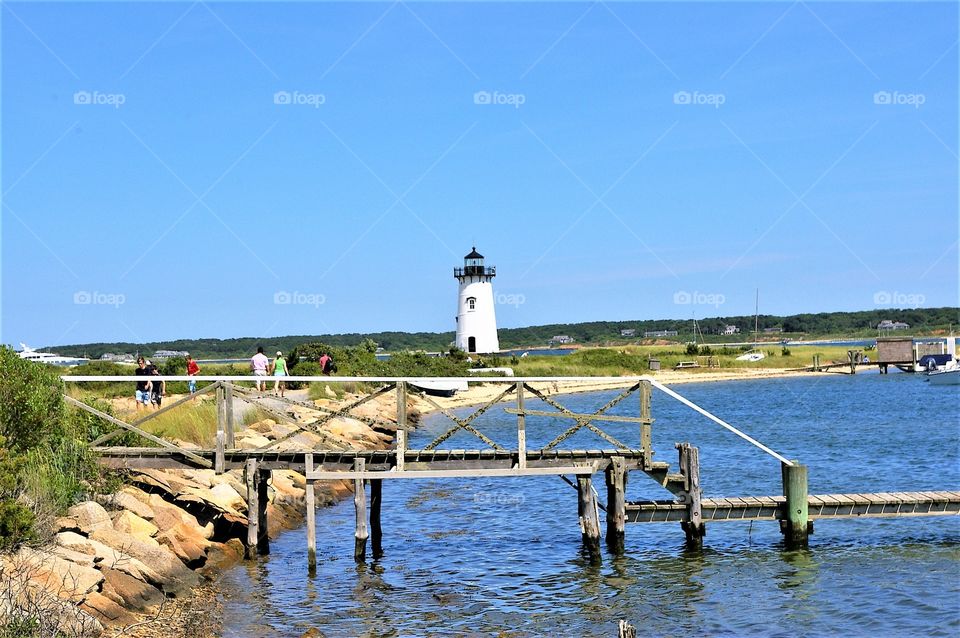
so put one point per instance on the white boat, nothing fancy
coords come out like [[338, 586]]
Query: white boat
[[949, 373], [751, 356], [30, 354], [440, 388], [951, 376]]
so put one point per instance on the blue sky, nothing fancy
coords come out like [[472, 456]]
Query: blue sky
[[179, 170]]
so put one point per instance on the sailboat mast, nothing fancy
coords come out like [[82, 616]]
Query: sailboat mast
[[756, 316]]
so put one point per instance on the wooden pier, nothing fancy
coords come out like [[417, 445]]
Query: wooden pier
[[794, 509]]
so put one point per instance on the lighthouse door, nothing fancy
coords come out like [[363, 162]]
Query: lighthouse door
[[472, 344]]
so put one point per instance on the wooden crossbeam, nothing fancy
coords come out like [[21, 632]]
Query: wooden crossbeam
[[150, 437], [114, 434], [465, 423], [326, 475], [579, 415], [581, 422]]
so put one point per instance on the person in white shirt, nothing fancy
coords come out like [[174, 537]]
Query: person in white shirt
[[259, 364]]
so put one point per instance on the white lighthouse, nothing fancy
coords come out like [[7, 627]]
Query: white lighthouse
[[476, 319]]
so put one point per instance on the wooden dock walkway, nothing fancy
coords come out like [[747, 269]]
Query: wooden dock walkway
[[795, 509], [770, 508]]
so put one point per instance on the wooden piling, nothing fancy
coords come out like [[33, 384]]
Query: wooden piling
[[616, 477], [263, 483], [253, 508], [795, 524], [311, 518], [221, 413], [376, 533], [693, 527], [360, 503], [589, 517]]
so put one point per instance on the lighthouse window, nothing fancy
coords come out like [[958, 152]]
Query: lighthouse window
[[471, 303]]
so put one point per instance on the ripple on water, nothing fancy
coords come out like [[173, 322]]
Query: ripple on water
[[486, 557]]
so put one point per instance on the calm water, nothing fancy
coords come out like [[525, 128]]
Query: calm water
[[503, 557]]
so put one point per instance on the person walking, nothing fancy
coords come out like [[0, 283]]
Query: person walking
[[259, 364], [158, 387], [143, 387], [192, 370], [326, 363], [279, 371]]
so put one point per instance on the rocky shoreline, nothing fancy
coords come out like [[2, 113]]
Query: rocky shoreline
[[145, 560]]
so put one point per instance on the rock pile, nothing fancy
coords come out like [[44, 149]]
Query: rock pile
[[157, 537]]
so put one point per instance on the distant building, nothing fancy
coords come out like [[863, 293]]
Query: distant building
[[729, 330], [660, 333], [117, 358], [886, 324], [169, 354], [776, 330], [561, 339], [628, 332]]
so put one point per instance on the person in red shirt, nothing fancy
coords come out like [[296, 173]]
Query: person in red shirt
[[192, 370]]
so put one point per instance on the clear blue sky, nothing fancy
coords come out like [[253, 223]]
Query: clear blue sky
[[174, 169]]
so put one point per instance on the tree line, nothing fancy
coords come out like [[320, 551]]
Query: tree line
[[810, 325]]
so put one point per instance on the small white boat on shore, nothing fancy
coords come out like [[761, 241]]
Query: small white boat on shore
[[752, 356], [441, 388]]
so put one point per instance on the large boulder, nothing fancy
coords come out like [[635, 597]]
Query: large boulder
[[174, 576], [133, 500], [130, 523], [106, 557], [64, 578], [90, 516], [128, 591], [106, 610]]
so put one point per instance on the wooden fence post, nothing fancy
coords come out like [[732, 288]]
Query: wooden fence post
[[646, 429], [311, 517], [218, 460], [521, 430], [401, 423], [616, 476], [360, 503], [228, 409], [796, 522]]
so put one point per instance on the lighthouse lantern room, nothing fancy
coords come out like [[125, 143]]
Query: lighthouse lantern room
[[476, 317]]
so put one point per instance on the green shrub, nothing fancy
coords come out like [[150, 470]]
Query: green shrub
[[31, 402], [692, 349]]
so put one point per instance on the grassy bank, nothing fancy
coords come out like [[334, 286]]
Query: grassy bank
[[633, 360]]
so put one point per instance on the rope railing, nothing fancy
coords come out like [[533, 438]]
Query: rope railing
[[413, 381]]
